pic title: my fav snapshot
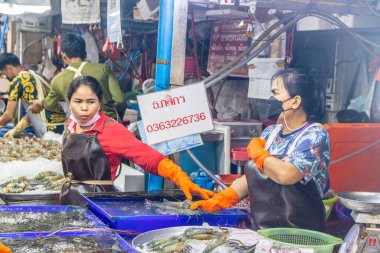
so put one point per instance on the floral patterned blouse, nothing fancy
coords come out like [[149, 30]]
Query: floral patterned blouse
[[311, 155]]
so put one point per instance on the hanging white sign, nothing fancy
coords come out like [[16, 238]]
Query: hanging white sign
[[175, 113], [113, 21], [80, 12]]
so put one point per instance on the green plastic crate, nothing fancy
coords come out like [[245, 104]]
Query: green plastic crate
[[301, 238]]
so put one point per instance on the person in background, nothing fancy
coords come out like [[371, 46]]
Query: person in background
[[289, 172], [95, 144], [27, 85], [351, 116], [73, 52]]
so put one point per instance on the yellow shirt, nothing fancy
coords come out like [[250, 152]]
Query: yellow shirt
[[23, 87]]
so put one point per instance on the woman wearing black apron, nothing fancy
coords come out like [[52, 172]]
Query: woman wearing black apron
[[288, 173], [95, 144]]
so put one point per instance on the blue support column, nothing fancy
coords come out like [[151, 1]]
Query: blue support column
[[164, 56]]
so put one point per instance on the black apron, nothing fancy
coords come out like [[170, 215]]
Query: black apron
[[275, 205], [86, 164]]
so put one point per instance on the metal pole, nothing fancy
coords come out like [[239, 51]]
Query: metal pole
[[164, 45], [163, 60], [3, 32]]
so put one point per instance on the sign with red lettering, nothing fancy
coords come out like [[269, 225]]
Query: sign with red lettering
[[175, 113], [228, 40], [224, 2]]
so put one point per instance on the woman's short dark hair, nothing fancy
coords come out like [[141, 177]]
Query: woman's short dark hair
[[73, 45], [298, 81], [85, 80]]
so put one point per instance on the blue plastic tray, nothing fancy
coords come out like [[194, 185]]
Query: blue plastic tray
[[124, 214], [50, 209], [123, 245]]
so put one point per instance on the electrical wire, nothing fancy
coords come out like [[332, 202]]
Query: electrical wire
[[374, 12], [368, 41], [334, 20], [135, 72], [357, 152], [135, 55], [245, 58], [248, 50], [247, 55]]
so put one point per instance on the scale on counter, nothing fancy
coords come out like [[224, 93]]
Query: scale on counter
[[364, 236]]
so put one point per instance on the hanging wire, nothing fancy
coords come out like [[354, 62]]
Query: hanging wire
[[286, 23], [374, 11]]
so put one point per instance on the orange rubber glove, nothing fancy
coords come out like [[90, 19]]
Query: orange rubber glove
[[224, 199], [168, 169], [4, 249], [257, 152]]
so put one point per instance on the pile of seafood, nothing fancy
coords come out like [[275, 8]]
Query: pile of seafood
[[202, 240], [171, 207], [46, 180], [105, 243], [27, 149], [38, 221]]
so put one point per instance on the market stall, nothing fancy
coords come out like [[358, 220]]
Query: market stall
[[189, 126]]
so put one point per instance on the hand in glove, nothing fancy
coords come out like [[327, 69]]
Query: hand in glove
[[21, 125], [257, 152], [168, 169], [222, 200], [4, 249]]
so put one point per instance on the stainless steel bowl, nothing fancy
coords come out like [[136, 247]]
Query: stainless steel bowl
[[367, 202], [173, 231]]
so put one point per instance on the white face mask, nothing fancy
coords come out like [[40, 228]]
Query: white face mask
[[88, 123]]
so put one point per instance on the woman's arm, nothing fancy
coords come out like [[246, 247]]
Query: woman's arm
[[241, 187], [310, 155], [123, 143], [281, 172]]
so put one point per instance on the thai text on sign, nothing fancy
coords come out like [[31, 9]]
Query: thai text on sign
[[228, 40], [175, 113]]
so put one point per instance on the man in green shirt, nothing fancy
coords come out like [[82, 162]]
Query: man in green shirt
[[73, 51]]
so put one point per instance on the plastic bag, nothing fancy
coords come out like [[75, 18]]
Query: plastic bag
[[91, 48]]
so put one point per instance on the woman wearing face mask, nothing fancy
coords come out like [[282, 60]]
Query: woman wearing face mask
[[288, 174], [95, 144]]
